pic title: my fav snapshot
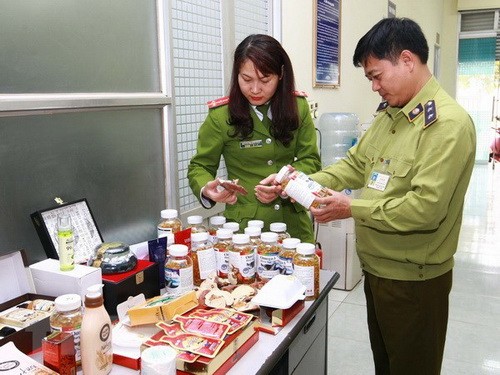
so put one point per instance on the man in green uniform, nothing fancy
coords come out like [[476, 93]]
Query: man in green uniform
[[413, 165]]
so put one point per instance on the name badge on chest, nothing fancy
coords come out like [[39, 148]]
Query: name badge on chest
[[379, 180], [251, 144]]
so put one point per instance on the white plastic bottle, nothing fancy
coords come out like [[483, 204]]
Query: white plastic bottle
[[95, 337], [65, 240]]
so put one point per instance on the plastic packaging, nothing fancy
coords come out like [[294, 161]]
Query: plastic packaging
[[300, 187], [96, 347], [67, 317], [306, 269], [66, 241], [267, 256], [339, 132], [203, 257], [279, 228], [222, 247], [285, 258], [242, 260], [195, 222], [178, 270], [158, 360], [280, 293], [169, 222]]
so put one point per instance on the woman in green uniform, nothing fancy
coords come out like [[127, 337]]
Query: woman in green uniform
[[261, 126]]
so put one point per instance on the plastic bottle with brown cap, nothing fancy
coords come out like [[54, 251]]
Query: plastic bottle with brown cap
[[96, 345]]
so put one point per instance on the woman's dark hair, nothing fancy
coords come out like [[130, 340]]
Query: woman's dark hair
[[268, 57], [388, 38]]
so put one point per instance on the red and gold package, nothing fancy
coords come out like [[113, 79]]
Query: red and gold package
[[235, 319], [204, 346], [59, 353], [202, 327]]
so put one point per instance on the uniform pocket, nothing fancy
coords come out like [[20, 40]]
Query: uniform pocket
[[240, 212]]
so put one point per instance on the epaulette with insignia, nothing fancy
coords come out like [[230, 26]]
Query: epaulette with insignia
[[300, 93], [382, 106], [415, 112], [430, 113], [218, 102]]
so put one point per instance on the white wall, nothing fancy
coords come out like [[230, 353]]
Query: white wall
[[357, 17]]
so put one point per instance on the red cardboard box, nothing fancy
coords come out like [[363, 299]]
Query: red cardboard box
[[235, 346]]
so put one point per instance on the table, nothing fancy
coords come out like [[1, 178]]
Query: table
[[300, 347]]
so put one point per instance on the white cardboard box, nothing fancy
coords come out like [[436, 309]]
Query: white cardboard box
[[49, 280]]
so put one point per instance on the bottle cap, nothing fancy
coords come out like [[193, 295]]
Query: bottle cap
[[64, 222], [235, 227], [269, 237], [281, 174], [255, 223], [195, 219], [290, 243], [68, 302], [169, 213], [199, 236], [217, 220], [253, 231], [178, 250], [94, 298], [306, 248], [240, 239], [277, 227], [224, 233]]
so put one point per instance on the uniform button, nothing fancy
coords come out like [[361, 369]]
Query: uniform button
[[393, 131], [420, 267], [381, 160], [277, 207], [421, 276], [363, 220], [270, 162], [268, 141]]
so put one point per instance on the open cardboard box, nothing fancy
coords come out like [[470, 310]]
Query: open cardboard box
[[162, 308], [17, 289]]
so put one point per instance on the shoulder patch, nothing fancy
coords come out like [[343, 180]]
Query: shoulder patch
[[415, 112], [300, 93], [430, 113], [218, 102], [382, 106]]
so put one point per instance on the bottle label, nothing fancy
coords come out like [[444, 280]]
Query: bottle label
[[163, 231], [301, 192], [206, 262], [244, 264], [285, 265], [267, 266], [306, 277], [179, 280], [222, 260], [66, 250]]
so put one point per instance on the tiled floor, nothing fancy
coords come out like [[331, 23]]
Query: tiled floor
[[473, 339]]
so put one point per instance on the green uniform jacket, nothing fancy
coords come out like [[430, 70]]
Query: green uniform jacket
[[410, 230], [252, 160]]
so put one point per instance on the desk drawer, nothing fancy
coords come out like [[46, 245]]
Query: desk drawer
[[300, 346]]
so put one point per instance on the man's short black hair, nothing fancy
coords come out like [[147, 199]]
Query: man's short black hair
[[388, 38]]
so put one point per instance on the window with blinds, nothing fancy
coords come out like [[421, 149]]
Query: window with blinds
[[199, 30]]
